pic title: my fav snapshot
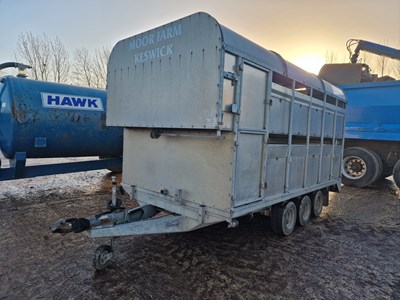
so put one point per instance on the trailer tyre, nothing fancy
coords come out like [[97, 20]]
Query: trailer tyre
[[283, 218], [102, 257], [396, 173], [360, 167], [304, 211], [317, 203]]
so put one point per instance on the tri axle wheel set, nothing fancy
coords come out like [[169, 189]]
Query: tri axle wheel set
[[284, 217]]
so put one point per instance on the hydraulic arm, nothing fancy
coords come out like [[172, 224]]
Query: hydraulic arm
[[372, 48]]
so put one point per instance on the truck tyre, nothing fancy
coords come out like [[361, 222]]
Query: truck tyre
[[396, 173], [380, 167], [283, 218], [360, 167]]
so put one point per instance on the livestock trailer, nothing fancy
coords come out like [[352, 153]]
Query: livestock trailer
[[215, 127]]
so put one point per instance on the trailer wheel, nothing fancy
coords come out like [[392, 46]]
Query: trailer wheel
[[304, 211], [102, 257], [396, 173], [283, 218], [360, 167], [317, 203]]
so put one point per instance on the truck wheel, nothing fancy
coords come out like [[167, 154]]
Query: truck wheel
[[304, 211], [396, 173], [283, 218], [360, 167], [317, 203], [380, 166]]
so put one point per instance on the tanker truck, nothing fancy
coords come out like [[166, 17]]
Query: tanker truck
[[215, 128], [41, 119], [372, 133]]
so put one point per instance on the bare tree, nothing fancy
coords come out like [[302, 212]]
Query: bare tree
[[48, 58], [43, 52], [330, 57], [25, 43], [36, 51], [60, 61], [100, 61], [82, 67], [382, 65], [91, 70]]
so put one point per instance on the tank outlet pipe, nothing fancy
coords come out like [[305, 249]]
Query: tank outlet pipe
[[21, 67], [17, 65]]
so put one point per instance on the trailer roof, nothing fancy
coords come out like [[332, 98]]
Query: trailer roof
[[272, 60]]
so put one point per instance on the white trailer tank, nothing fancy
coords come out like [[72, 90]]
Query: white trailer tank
[[217, 127]]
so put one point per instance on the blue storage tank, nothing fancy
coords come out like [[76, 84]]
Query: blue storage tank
[[45, 119]]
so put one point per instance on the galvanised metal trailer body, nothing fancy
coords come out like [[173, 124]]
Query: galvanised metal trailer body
[[217, 127]]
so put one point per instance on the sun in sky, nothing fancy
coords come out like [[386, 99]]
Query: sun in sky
[[310, 63]]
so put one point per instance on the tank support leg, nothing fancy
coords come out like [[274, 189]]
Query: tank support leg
[[16, 169]]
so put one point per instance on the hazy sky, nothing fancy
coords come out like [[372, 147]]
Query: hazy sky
[[293, 28]]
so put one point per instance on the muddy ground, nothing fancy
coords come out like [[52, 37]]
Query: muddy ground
[[351, 252]]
